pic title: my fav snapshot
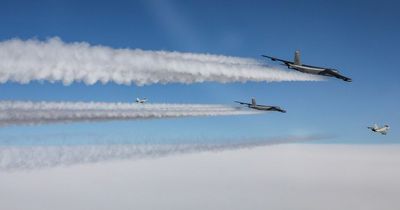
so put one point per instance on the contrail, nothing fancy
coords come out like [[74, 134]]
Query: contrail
[[19, 112], [53, 60], [35, 157]]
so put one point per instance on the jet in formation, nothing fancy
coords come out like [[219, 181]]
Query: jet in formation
[[254, 105], [298, 66], [382, 130], [141, 101]]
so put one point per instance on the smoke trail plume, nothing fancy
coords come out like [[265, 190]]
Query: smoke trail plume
[[17, 112], [56, 61], [34, 157]]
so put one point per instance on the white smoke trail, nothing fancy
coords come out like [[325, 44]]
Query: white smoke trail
[[18, 112], [56, 61], [34, 157]]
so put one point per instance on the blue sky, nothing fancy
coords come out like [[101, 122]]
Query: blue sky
[[360, 39]]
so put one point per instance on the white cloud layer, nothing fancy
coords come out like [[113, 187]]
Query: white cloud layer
[[279, 177], [53, 60]]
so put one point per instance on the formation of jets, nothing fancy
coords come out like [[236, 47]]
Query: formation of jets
[[308, 69], [298, 66]]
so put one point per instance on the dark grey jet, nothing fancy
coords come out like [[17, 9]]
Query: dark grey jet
[[254, 105], [296, 65]]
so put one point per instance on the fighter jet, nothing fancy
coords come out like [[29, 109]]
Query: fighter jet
[[298, 66], [256, 106], [382, 130], [141, 101]]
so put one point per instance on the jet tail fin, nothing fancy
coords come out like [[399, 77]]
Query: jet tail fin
[[253, 101], [297, 60]]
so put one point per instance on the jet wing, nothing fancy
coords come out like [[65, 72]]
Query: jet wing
[[243, 103], [344, 78], [339, 76], [275, 108], [331, 73], [277, 59], [272, 108]]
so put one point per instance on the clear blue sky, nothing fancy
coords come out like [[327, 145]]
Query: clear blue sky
[[359, 38]]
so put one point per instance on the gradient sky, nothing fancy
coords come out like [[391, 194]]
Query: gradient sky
[[359, 39]]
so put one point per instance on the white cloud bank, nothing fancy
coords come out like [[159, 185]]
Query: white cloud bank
[[53, 60], [20, 113], [279, 177]]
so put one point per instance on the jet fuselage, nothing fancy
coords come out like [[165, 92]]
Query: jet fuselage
[[318, 71], [266, 108], [258, 107], [305, 69]]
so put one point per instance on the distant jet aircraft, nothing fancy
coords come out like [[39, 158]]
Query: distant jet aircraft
[[256, 106], [141, 101], [382, 130], [296, 65]]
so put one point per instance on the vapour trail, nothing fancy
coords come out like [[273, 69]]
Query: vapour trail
[[34, 157], [53, 60], [20, 113]]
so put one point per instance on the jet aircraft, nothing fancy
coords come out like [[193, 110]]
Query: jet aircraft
[[298, 66], [382, 130], [141, 101], [254, 105]]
